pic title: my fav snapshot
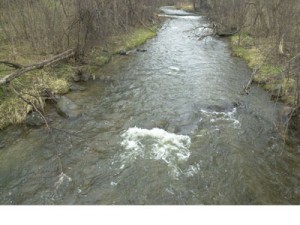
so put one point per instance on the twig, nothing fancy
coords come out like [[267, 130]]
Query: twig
[[32, 104]]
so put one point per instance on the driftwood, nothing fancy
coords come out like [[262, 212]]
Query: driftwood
[[220, 34], [24, 69]]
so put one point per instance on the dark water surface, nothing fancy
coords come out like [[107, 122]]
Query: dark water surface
[[171, 129]]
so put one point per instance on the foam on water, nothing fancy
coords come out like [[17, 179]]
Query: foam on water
[[174, 68], [156, 144], [62, 178], [224, 116]]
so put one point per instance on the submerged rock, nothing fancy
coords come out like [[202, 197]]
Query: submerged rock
[[67, 108], [34, 119]]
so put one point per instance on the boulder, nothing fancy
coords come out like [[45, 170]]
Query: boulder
[[67, 108], [34, 119]]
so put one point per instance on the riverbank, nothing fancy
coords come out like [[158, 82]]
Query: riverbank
[[271, 75], [171, 129], [271, 71], [35, 86], [186, 6]]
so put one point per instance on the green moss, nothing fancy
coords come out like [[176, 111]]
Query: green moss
[[102, 59], [269, 69]]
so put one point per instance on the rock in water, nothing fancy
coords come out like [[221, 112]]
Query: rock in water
[[67, 108], [122, 52], [86, 77], [34, 119], [141, 50]]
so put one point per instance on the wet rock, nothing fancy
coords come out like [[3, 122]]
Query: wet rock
[[132, 52], [227, 107], [217, 108], [67, 108], [34, 119], [82, 75], [2, 144], [122, 52], [106, 79], [173, 129], [162, 124], [141, 50], [236, 104], [76, 87], [86, 77]]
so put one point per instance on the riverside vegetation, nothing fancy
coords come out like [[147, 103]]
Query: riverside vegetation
[[266, 34], [32, 31]]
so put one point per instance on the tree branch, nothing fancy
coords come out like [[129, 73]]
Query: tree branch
[[11, 64]]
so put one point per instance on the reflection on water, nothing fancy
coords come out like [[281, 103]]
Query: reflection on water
[[171, 129]]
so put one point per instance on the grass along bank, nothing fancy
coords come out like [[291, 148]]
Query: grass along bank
[[185, 5], [35, 85], [101, 55], [272, 74]]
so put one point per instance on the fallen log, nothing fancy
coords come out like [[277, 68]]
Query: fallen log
[[220, 34], [11, 64], [10, 77]]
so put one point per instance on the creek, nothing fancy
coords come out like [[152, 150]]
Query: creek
[[172, 128]]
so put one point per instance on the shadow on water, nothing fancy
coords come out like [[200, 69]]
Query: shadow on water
[[171, 129]]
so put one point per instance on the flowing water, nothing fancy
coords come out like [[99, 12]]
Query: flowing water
[[172, 128]]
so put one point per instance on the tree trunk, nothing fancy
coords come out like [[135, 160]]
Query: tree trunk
[[10, 77]]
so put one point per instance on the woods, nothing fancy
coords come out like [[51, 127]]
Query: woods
[[64, 35], [267, 37], [54, 26]]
